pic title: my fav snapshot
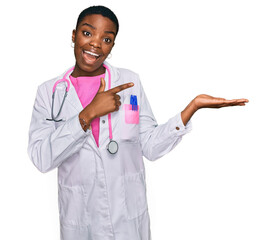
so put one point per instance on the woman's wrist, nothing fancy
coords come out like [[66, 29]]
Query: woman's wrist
[[83, 124], [194, 105], [189, 111], [85, 118]]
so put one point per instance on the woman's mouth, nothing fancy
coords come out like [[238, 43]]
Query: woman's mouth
[[90, 57]]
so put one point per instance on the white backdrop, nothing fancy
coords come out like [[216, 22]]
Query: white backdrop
[[220, 181]]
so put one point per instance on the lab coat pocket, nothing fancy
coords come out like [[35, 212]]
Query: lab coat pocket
[[131, 116], [130, 122], [135, 195], [72, 206]]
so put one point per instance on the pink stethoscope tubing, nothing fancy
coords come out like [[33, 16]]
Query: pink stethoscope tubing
[[112, 146], [109, 115]]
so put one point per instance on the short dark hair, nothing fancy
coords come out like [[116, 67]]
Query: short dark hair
[[104, 11]]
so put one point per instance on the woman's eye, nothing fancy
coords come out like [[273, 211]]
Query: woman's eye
[[107, 40], [87, 34]]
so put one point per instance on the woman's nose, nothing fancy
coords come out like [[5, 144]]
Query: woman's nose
[[95, 42]]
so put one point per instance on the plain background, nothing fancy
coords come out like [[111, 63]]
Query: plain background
[[220, 181]]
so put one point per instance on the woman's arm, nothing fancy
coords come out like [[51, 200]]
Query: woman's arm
[[157, 140], [50, 146]]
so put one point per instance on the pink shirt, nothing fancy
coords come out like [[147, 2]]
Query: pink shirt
[[87, 88]]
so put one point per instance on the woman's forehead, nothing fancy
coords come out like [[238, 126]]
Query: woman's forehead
[[98, 21]]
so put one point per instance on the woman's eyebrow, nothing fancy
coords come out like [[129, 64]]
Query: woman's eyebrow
[[110, 32], [91, 26]]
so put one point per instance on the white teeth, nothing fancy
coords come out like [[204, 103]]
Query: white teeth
[[93, 54]]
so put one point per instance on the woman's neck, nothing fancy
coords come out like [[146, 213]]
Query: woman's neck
[[78, 72]]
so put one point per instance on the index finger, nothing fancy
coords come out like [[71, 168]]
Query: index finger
[[121, 87]]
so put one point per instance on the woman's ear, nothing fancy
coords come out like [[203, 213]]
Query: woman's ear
[[74, 35]]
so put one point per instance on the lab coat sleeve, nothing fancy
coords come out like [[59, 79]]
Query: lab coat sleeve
[[50, 146], [157, 140]]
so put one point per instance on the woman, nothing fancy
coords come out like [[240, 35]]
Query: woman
[[99, 137]]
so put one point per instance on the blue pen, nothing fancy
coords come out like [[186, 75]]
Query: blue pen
[[133, 102]]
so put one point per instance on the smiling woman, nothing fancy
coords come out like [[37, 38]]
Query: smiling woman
[[102, 190]]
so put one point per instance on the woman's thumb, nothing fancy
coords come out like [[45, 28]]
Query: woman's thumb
[[102, 85]]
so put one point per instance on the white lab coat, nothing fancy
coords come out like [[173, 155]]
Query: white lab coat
[[101, 196]]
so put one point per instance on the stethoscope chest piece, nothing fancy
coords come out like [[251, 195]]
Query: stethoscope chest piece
[[112, 147]]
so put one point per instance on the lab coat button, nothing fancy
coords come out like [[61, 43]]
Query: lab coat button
[[177, 128], [103, 121]]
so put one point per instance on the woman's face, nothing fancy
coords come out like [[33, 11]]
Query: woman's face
[[94, 39]]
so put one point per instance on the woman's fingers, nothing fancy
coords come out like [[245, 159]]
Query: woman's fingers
[[117, 102], [121, 87], [236, 102], [102, 86], [117, 97]]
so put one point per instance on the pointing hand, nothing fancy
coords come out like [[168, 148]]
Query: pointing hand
[[105, 101]]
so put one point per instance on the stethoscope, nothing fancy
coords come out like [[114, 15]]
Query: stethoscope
[[112, 147]]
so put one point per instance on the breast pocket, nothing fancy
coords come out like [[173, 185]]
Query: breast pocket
[[131, 115], [130, 123]]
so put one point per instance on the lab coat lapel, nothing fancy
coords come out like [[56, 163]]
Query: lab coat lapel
[[73, 98], [114, 75], [74, 101]]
